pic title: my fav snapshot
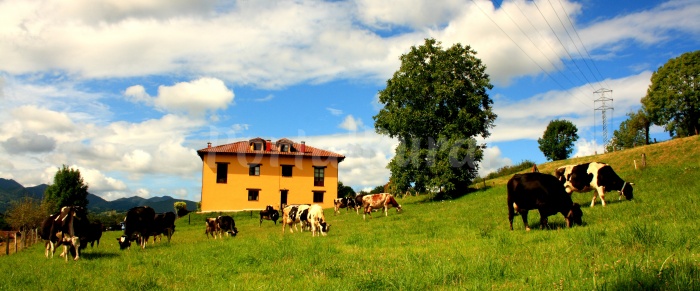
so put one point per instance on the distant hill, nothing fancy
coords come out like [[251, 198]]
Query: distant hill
[[10, 190]]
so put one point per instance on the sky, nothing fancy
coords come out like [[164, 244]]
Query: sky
[[127, 91]]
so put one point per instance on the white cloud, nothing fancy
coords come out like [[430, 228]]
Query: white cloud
[[584, 147], [336, 112], [143, 193], [137, 94], [196, 97], [492, 161], [265, 99], [351, 124], [29, 142]]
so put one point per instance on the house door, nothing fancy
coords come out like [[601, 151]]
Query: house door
[[283, 198]]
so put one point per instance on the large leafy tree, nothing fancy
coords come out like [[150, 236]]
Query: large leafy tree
[[557, 143], [68, 188], [673, 98], [435, 104], [632, 132]]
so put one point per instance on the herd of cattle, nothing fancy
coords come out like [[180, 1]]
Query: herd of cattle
[[550, 194]]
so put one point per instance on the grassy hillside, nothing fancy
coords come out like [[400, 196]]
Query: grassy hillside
[[649, 243]]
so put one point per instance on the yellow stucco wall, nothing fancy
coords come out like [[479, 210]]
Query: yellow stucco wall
[[233, 195]]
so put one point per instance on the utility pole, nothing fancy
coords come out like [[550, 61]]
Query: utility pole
[[605, 95]]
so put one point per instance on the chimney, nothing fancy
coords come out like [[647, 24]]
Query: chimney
[[208, 145], [268, 145], [303, 147]]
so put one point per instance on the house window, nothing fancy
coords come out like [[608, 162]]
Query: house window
[[221, 172], [284, 148], [287, 170], [318, 176], [254, 170], [318, 196], [253, 194], [257, 146]]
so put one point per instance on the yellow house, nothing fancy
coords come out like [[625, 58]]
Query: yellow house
[[251, 174]]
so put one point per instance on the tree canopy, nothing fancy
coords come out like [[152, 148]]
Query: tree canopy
[[673, 99], [435, 104], [632, 132], [68, 189], [557, 143]]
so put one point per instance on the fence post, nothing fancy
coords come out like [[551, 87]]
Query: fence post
[[15, 242], [635, 164], [7, 243], [644, 160]]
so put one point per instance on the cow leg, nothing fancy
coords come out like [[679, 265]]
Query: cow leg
[[601, 193], [523, 214], [76, 245], [386, 210]]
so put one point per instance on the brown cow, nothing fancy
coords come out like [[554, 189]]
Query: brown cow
[[376, 201], [212, 227], [318, 220]]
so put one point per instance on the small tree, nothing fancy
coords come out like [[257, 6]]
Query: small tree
[[68, 189], [673, 99], [25, 214], [632, 132], [557, 143], [181, 208], [345, 191]]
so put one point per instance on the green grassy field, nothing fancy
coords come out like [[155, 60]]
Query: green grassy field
[[651, 242]]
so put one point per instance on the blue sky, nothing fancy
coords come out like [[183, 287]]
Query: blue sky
[[127, 90]]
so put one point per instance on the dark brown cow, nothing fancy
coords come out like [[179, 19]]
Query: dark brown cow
[[227, 224], [542, 192], [138, 226], [270, 214], [163, 224]]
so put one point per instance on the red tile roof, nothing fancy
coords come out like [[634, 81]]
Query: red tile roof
[[243, 147]]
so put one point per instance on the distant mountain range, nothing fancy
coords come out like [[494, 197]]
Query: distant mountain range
[[10, 190]]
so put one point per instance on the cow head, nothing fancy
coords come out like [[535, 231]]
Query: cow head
[[574, 215], [325, 227], [234, 232], [627, 190], [124, 242]]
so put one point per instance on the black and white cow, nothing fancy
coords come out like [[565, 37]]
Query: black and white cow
[[227, 225], [65, 228], [270, 214], [593, 176], [542, 192], [293, 215], [138, 226], [345, 202], [163, 224]]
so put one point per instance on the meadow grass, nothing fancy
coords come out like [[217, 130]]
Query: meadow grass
[[649, 243]]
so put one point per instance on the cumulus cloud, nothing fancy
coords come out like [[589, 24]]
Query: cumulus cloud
[[137, 94], [493, 160], [196, 97], [350, 123]]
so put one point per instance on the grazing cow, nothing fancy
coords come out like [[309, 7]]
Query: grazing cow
[[94, 233], [65, 228], [138, 226], [227, 224], [211, 227], [345, 202], [163, 223], [377, 201], [542, 192], [593, 176], [270, 214], [318, 220], [293, 215]]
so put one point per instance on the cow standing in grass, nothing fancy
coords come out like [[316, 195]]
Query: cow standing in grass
[[269, 214], [293, 215], [377, 201], [593, 176], [227, 224], [138, 226], [542, 192], [318, 220], [212, 227]]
